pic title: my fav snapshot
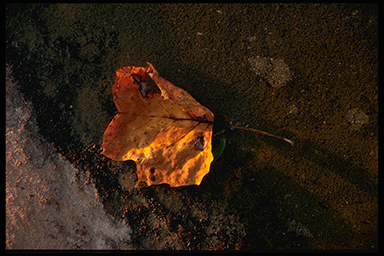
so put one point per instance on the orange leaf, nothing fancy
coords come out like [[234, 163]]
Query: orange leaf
[[167, 134]]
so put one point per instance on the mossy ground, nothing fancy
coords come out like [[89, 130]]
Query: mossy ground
[[320, 195]]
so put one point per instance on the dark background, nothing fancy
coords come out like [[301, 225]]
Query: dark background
[[321, 194]]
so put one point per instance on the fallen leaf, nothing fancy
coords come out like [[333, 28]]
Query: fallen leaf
[[159, 126]]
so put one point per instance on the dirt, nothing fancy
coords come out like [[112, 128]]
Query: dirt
[[315, 81]]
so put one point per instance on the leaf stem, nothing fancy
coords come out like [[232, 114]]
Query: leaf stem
[[242, 128], [262, 132]]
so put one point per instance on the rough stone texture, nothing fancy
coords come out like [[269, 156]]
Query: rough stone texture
[[46, 207]]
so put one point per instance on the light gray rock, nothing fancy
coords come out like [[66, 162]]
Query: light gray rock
[[46, 207]]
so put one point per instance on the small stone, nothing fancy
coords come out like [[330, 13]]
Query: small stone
[[275, 72], [292, 109], [357, 118]]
